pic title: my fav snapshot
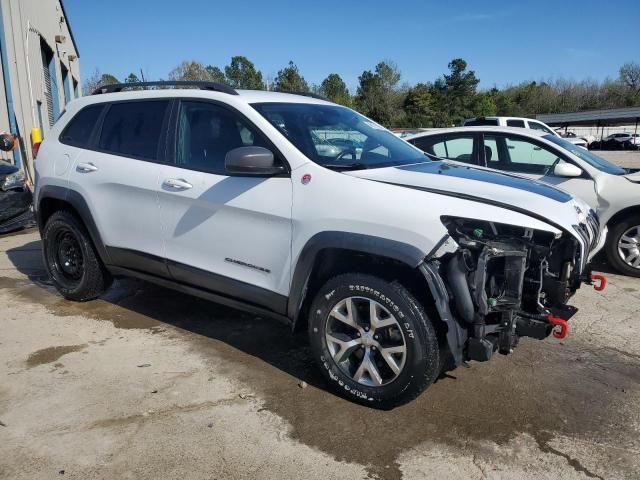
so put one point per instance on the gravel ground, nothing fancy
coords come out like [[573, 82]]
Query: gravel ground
[[147, 383]]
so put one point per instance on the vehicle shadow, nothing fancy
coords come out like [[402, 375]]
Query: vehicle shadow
[[132, 303]]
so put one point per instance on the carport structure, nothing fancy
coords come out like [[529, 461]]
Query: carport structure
[[597, 118]]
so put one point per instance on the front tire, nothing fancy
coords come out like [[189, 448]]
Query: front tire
[[71, 259], [623, 246], [373, 340]]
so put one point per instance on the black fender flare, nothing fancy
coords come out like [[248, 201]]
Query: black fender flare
[[79, 204], [402, 252]]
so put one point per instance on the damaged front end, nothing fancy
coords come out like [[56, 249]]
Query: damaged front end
[[494, 283], [15, 200]]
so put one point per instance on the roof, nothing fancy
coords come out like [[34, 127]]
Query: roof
[[482, 128], [73, 40], [245, 96], [263, 96], [593, 117]]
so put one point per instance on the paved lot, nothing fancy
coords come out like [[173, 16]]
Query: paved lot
[[625, 159], [150, 383]]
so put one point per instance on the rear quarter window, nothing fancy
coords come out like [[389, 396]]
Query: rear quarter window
[[78, 131]]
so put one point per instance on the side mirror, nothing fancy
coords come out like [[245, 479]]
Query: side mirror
[[251, 161], [565, 169]]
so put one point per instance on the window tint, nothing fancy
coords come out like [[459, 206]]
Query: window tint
[[515, 154], [133, 128], [459, 148], [206, 132], [515, 123], [78, 131], [539, 126], [481, 121]]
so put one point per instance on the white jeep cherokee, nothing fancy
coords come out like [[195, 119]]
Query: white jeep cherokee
[[398, 266]]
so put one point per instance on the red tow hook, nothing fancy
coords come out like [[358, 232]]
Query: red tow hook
[[558, 322], [602, 282]]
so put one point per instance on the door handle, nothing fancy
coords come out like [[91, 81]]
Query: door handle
[[86, 167], [177, 184]]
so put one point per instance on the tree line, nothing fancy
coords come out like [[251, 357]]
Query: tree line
[[444, 102]]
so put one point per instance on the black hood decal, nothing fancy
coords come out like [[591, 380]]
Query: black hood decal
[[473, 198], [497, 178]]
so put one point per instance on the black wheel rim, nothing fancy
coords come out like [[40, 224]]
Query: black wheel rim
[[67, 257]]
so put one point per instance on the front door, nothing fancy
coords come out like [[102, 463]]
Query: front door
[[228, 234]]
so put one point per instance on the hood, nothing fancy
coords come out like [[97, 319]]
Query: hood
[[536, 199], [633, 175]]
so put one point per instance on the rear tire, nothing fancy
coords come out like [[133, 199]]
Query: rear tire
[[373, 340], [624, 240], [71, 259]]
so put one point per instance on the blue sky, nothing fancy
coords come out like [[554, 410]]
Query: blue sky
[[505, 42]]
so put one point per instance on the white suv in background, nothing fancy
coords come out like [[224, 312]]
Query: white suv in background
[[396, 265], [520, 122]]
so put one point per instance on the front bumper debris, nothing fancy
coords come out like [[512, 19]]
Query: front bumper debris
[[511, 282]]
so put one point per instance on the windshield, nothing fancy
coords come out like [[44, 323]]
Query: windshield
[[339, 138], [584, 154]]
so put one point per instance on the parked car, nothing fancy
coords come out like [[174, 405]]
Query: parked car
[[396, 265], [614, 192], [520, 122], [618, 141], [15, 199]]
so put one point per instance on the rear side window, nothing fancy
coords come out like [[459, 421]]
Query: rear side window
[[78, 131], [457, 147], [133, 128], [515, 123], [480, 122]]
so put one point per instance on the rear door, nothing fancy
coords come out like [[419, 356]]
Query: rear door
[[118, 176], [228, 234], [536, 160]]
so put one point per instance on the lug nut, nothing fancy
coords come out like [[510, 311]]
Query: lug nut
[[359, 334], [366, 329], [377, 337]]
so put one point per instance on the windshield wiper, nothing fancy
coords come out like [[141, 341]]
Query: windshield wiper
[[347, 167]]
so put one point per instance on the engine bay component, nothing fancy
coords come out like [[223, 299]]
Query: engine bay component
[[507, 282]]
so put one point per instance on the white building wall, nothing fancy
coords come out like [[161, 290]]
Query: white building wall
[[27, 23]]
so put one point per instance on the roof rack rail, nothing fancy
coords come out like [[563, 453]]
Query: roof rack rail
[[214, 86]]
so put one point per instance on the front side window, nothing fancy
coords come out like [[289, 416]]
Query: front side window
[[515, 154], [207, 132], [133, 129], [339, 138], [458, 147], [78, 130], [587, 155]]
